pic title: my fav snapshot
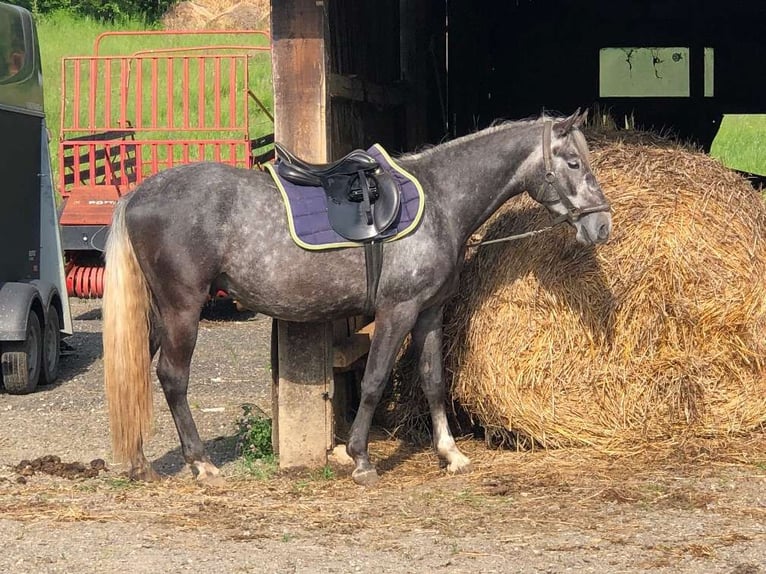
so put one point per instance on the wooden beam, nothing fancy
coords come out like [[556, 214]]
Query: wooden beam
[[360, 90], [353, 348], [303, 395], [302, 409], [299, 63]]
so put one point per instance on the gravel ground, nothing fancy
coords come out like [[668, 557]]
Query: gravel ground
[[702, 509]]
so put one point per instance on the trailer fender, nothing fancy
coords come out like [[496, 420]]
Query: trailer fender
[[16, 299], [48, 294]]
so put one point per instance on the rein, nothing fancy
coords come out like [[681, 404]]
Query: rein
[[573, 212]]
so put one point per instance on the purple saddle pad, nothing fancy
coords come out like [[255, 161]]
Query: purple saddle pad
[[307, 207]]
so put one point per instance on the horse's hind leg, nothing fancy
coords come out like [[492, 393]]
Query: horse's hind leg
[[177, 341], [427, 341], [140, 468]]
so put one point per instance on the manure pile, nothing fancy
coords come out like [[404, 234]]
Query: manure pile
[[656, 336]]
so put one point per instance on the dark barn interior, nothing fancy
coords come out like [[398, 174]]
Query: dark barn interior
[[407, 72], [513, 59]]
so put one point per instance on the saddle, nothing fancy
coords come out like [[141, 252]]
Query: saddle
[[362, 199]]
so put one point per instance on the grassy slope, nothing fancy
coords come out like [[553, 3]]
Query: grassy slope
[[741, 143], [62, 35]]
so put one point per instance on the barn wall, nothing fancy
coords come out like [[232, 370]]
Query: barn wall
[[380, 88]]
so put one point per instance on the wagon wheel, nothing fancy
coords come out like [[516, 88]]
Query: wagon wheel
[[21, 360], [51, 347]]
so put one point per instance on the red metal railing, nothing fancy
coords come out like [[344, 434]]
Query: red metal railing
[[126, 117]]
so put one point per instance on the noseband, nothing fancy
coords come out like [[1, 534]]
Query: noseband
[[550, 180]]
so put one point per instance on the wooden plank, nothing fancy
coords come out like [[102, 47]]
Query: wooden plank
[[360, 90], [415, 52], [353, 348], [299, 77]]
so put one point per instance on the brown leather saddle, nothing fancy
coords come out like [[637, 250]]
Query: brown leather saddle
[[362, 199]]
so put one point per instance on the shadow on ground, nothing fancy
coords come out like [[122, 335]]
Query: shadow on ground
[[221, 450]]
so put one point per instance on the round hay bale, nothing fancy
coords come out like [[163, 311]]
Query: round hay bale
[[218, 15], [655, 336], [242, 16], [186, 16]]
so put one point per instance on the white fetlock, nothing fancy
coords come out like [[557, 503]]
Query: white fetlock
[[457, 462]]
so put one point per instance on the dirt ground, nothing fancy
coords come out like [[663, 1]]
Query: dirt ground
[[699, 508]]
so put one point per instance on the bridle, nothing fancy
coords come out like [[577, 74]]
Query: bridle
[[550, 181]]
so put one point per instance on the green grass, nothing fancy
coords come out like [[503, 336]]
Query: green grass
[[254, 447], [741, 143], [63, 34]]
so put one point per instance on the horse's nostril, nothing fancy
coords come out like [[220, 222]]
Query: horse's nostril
[[603, 231]]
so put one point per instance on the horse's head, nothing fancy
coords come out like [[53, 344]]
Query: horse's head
[[569, 189]]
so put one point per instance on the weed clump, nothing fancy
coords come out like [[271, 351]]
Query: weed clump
[[254, 435]]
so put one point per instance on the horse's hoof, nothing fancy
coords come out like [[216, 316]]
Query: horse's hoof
[[340, 456], [143, 475], [214, 480], [462, 466], [366, 477], [207, 473]]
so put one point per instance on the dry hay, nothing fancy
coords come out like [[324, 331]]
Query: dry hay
[[414, 495], [657, 335], [218, 15], [186, 16], [242, 16]]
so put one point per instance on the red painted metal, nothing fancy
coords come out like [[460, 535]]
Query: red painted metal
[[85, 281], [125, 117]]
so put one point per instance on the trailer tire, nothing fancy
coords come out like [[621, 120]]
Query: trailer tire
[[22, 360], [51, 347]]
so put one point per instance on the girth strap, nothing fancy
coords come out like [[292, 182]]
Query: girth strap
[[373, 261]]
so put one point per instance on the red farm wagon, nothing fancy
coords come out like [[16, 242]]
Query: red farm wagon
[[144, 102]]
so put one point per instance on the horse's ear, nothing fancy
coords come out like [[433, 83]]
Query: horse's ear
[[582, 120], [563, 127]]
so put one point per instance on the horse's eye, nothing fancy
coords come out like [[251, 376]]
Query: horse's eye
[[573, 164]]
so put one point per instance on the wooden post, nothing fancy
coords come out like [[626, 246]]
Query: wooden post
[[303, 393], [303, 418], [299, 65]]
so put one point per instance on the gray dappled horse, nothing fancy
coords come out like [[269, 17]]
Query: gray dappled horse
[[196, 225]]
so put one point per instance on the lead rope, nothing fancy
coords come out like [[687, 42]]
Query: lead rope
[[560, 219]]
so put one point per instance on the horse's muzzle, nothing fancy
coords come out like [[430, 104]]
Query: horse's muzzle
[[594, 228]]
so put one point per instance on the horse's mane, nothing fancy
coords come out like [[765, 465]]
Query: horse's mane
[[495, 126]]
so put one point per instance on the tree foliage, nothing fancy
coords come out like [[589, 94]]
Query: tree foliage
[[110, 10]]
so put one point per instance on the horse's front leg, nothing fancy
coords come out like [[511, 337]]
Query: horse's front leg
[[176, 347], [391, 327], [427, 341]]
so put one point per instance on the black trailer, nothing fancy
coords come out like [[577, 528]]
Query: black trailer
[[34, 308]]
